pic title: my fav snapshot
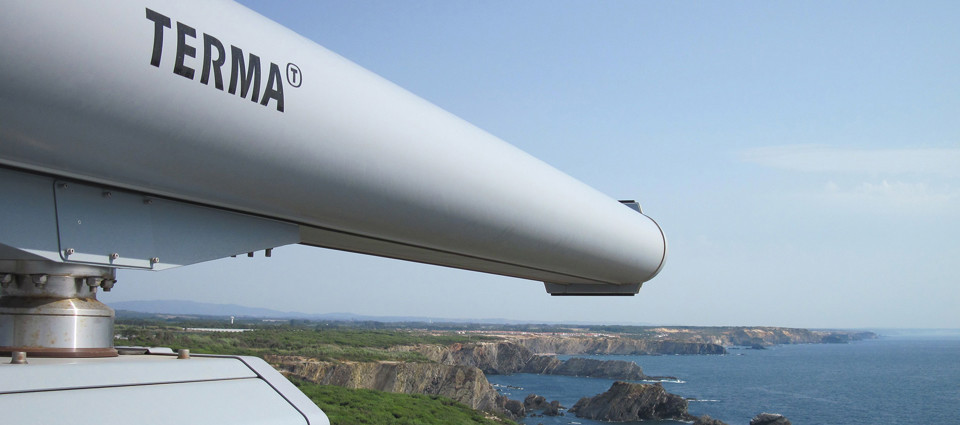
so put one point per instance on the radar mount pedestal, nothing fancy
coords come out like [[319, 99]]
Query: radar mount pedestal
[[50, 309]]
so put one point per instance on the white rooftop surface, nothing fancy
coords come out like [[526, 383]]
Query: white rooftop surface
[[151, 389], [45, 374]]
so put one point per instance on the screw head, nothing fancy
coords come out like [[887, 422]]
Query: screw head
[[69, 251], [114, 256]]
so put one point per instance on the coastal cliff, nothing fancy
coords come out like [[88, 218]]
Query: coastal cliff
[[682, 340], [467, 385], [504, 356], [611, 369], [507, 357], [500, 358], [763, 336], [615, 345]]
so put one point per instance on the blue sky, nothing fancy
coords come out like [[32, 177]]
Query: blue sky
[[803, 158]]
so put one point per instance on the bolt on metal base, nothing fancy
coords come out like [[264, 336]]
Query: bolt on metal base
[[18, 357]]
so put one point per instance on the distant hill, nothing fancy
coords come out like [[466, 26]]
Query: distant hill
[[178, 307], [183, 307]]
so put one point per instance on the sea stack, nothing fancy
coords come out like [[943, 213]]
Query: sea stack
[[770, 419], [626, 401]]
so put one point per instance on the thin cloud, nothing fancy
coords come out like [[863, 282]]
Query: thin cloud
[[896, 195], [944, 162]]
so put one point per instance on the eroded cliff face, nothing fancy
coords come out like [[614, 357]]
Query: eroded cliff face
[[501, 358], [504, 358], [612, 369], [465, 384], [615, 345]]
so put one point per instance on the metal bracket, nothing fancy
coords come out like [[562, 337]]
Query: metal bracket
[[570, 289], [116, 228]]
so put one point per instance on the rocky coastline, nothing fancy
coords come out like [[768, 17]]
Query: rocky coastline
[[629, 402], [758, 336], [509, 357], [684, 340], [458, 371], [615, 345]]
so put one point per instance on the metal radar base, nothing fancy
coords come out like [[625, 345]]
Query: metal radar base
[[50, 309]]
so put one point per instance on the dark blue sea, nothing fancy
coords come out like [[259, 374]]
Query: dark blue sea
[[899, 379]]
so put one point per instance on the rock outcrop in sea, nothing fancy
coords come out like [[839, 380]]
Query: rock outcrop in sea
[[515, 408], [761, 419], [537, 403], [626, 401], [707, 420], [770, 419]]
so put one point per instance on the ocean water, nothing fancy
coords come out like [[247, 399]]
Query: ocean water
[[891, 380]]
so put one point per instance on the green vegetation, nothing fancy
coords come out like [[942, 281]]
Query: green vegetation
[[323, 344], [629, 331], [348, 406]]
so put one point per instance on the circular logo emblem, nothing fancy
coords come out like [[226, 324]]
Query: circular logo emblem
[[294, 76]]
